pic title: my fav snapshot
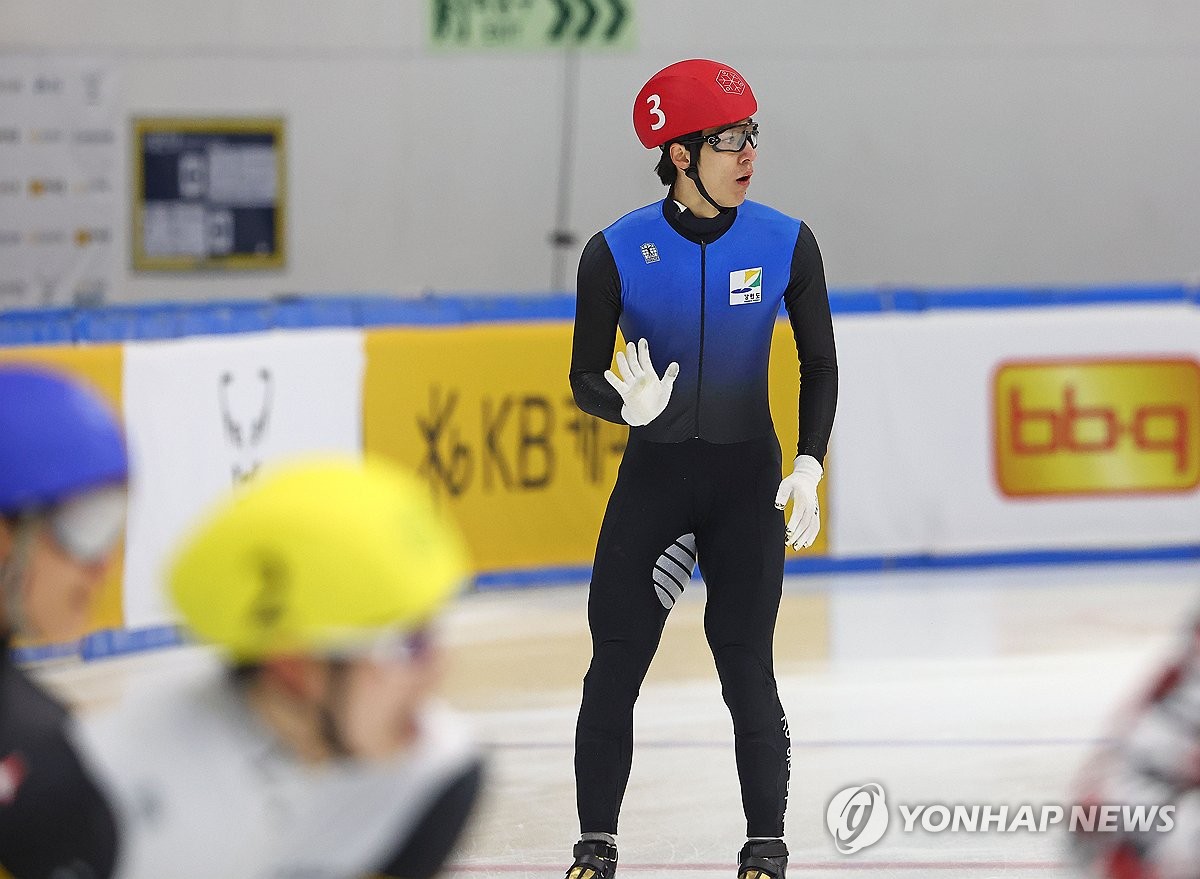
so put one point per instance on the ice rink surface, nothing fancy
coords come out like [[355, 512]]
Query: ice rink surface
[[985, 686]]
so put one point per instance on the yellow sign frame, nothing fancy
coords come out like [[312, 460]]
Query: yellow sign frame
[[215, 125]]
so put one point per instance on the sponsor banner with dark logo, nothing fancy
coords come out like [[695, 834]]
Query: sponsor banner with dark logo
[[228, 406]]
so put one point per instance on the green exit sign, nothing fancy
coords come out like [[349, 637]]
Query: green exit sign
[[530, 24]]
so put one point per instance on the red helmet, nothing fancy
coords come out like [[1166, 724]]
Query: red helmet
[[690, 96]]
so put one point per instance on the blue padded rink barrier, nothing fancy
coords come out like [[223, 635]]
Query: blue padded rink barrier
[[177, 320], [984, 679]]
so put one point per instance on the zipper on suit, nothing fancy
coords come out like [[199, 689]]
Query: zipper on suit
[[700, 369]]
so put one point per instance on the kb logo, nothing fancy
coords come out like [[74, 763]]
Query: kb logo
[[857, 817], [1097, 426]]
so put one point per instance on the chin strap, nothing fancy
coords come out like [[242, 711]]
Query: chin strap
[[693, 172], [328, 726]]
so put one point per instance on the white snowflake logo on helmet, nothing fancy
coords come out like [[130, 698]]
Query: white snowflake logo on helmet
[[730, 82]]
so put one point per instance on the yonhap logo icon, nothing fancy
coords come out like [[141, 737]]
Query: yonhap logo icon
[[857, 817]]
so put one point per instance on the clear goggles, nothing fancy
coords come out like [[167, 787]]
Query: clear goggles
[[732, 138], [392, 647], [88, 526]]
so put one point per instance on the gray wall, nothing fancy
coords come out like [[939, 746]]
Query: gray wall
[[927, 142]]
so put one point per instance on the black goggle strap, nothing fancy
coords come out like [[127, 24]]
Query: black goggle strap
[[12, 572]]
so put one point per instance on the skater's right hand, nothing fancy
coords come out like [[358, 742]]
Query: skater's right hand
[[644, 393]]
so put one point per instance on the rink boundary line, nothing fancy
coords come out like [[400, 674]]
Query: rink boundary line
[[819, 744], [809, 866]]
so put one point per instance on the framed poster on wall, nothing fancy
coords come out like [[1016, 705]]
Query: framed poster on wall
[[209, 193]]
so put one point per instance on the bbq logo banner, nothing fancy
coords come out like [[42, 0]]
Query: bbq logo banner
[[1097, 426]]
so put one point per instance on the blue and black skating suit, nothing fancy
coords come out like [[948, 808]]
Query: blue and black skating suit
[[704, 293]]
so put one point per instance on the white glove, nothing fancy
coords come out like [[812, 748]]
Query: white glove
[[644, 393], [800, 487]]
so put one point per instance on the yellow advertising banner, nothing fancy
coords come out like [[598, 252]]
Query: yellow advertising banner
[[485, 413], [1098, 426], [785, 391], [101, 367]]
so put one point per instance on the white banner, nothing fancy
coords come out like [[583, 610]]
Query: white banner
[[1006, 430], [204, 414], [61, 138]]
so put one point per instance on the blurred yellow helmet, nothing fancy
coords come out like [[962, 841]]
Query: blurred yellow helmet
[[317, 557]]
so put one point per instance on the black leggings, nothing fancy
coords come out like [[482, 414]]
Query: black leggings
[[725, 495]]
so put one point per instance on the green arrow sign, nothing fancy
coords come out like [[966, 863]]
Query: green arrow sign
[[530, 24]]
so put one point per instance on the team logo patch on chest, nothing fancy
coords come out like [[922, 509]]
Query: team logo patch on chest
[[649, 253], [745, 286]]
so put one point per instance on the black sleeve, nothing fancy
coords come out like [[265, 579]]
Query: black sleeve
[[597, 310], [53, 819], [426, 849], [807, 303]]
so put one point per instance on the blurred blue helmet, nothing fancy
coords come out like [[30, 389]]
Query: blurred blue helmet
[[58, 438]]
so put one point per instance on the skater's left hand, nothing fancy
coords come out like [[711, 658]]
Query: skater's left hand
[[800, 487]]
